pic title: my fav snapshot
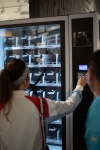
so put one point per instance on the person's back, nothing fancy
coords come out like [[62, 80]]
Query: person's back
[[92, 134], [20, 126], [22, 131]]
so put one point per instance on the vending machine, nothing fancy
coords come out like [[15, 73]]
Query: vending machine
[[52, 47], [84, 40], [43, 45]]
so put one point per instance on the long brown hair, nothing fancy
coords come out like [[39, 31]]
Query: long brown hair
[[12, 71]]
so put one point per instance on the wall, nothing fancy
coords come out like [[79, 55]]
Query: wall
[[43, 8], [64, 7], [11, 10], [97, 5]]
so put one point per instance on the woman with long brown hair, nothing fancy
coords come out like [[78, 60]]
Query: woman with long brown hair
[[20, 127]]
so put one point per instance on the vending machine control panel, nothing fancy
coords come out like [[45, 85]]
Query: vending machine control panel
[[82, 48], [82, 71]]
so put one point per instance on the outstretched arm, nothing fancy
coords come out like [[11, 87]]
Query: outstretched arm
[[58, 109]]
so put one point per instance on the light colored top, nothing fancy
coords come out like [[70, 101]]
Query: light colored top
[[24, 131]]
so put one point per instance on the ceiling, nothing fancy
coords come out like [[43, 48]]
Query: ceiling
[[11, 9]]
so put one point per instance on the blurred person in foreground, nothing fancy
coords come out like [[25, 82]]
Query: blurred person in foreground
[[20, 120], [92, 134]]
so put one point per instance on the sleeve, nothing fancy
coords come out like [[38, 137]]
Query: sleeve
[[58, 109], [92, 134], [92, 140]]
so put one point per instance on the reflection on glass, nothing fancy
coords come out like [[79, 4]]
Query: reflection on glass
[[82, 39], [40, 47]]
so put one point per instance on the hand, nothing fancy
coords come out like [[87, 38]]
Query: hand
[[82, 81]]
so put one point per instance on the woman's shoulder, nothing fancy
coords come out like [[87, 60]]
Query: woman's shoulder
[[94, 109], [96, 102]]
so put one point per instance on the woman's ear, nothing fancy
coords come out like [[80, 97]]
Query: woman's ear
[[90, 74], [24, 84], [90, 79]]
